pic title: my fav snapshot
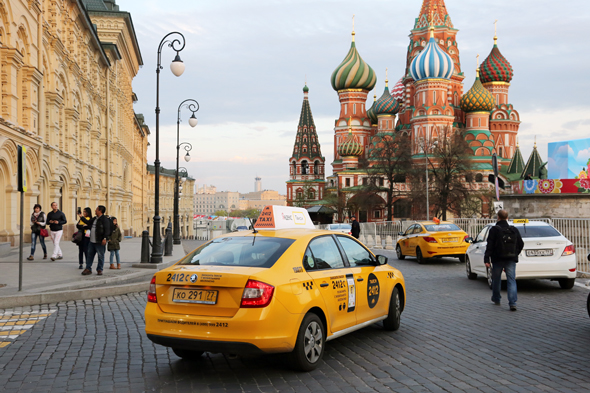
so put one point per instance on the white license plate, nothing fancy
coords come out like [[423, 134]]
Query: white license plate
[[450, 240], [539, 253]]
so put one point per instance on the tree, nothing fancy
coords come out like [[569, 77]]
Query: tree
[[390, 159], [220, 213]]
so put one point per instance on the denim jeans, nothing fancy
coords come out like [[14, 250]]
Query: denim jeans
[[34, 237], [510, 269], [83, 250], [93, 249], [115, 253]]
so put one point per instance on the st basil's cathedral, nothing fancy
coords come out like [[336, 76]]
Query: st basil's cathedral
[[425, 101]]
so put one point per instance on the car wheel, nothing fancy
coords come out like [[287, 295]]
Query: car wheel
[[394, 317], [187, 354], [309, 348], [567, 283], [398, 251], [470, 274], [419, 256], [489, 276]]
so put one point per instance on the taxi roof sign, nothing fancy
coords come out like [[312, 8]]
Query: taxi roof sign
[[521, 221], [283, 217]]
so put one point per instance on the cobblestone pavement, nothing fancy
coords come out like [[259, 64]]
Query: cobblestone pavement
[[452, 339]]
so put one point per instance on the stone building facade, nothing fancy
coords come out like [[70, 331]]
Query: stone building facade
[[67, 96]]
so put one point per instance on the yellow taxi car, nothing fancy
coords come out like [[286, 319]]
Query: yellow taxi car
[[429, 239], [283, 287]]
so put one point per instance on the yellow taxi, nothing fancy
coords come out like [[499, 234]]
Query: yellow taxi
[[283, 287], [430, 239]]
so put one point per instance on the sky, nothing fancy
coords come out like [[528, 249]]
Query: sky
[[247, 62]]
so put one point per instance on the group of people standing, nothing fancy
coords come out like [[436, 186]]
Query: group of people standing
[[94, 233]]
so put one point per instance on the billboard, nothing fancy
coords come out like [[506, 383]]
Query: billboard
[[569, 159]]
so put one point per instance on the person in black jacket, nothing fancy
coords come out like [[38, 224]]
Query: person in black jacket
[[356, 228], [56, 220], [100, 230], [504, 244]]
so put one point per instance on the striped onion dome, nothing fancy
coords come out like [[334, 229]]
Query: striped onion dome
[[398, 90], [432, 62], [386, 104], [351, 147], [478, 98], [371, 111], [353, 72], [496, 68]]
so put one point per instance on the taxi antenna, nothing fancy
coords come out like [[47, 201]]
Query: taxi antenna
[[252, 226]]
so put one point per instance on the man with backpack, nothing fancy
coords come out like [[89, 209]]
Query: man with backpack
[[503, 247]]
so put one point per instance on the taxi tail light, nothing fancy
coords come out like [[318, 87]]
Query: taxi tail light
[[257, 294], [429, 239], [569, 250], [465, 238], [152, 298]]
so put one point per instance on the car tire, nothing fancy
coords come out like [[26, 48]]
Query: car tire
[[489, 276], [567, 283], [419, 256], [394, 316], [309, 347], [470, 274], [187, 354], [398, 251]]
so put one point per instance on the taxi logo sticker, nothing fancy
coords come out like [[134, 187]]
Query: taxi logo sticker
[[308, 285], [266, 218], [194, 278], [373, 290], [351, 292], [298, 269], [389, 274]]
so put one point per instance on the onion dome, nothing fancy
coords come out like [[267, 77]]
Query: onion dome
[[351, 146], [353, 72], [386, 104], [305, 89], [478, 98], [398, 90], [496, 68], [432, 62], [371, 111]]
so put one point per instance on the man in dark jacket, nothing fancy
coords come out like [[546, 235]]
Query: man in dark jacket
[[56, 220], [356, 228], [504, 244], [100, 231]]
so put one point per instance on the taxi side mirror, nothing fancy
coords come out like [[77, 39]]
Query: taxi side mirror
[[400, 233], [588, 257], [381, 259], [468, 240]]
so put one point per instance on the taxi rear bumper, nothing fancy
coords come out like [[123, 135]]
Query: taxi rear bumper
[[238, 348]]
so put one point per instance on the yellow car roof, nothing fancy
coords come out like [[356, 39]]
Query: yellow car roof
[[283, 233], [433, 223]]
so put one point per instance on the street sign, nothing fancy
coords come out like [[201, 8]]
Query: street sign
[[498, 206], [22, 169]]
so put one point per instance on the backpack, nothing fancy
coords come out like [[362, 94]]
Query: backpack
[[507, 245]]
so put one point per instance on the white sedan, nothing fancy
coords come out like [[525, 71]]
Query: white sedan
[[344, 228], [547, 254]]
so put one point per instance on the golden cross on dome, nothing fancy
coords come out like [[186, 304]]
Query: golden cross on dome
[[535, 142], [386, 79], [431, 24], [495, 31], [477, 60], [352, 27]]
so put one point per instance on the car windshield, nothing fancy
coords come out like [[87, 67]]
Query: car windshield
[[537, 231], [441, 227], [239, 251]]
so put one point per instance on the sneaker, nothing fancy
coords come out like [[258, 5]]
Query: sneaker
[[496, 302], [81, 267], [53, 259], [45, 256], [86, 272], [512, 308], [60, 257], [30, 258], [99, 272]]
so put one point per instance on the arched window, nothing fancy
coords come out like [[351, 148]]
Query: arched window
[[311, 194], [316, 167], [478, 178], [304, 167]]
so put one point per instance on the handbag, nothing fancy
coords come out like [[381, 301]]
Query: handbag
[[77, 237], [43, 232]]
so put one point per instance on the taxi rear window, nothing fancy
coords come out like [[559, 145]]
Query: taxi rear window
[[442, 228], [537, 231], [239, 251]]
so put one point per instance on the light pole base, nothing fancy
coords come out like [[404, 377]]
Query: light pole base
[[177, 241]]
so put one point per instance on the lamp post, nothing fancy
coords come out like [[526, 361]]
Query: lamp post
[[187, 147], [177, 68], [426, 148]]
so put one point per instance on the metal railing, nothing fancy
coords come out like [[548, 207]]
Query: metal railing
[[577, 230]]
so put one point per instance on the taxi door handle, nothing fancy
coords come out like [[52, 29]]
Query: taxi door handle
[[325, 284], [360, 279]]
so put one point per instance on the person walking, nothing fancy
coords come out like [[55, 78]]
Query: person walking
[[115, 243], [85, 229], [100, 230], [356, 228], [56, 220], [503, 247], [37, 223]]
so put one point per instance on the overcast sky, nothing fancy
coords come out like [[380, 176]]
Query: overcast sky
[[246, 63]]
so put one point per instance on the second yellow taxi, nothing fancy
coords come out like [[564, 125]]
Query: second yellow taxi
[[430, 239], [284, 287]]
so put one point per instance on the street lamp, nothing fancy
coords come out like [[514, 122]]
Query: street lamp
[[177, 68], [192, 106], [426, 148]]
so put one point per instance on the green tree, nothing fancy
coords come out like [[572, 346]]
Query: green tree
[[220, 213]]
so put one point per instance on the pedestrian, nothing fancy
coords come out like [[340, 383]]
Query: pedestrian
[[85, 229], [100, 230], [504, 244], [56, 220], [37, 223], [356, 228], [115, 243]]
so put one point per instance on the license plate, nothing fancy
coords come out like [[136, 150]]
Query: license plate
[[539, 253], [199, 296], [449, 240]]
